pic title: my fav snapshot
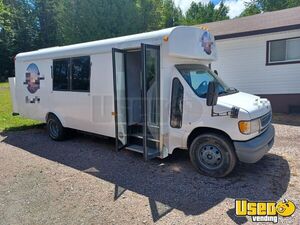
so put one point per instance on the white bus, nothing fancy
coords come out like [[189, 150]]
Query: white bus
[[154, 92]]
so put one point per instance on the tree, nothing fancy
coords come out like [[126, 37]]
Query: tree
[[251, 9], [171, 15], [149, 12], [258, 6], [18, 34], [24, 25], [46, 12], [293, 3], [271, 5], [203, 13], [4, 17], [221, 13], [5, 36], [88, 20]]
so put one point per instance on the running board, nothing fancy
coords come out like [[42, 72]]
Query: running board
[[152, 153]]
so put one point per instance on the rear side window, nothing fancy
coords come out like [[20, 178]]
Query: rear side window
[[61, 75], [72, 74], [81, 73], [176, 104]]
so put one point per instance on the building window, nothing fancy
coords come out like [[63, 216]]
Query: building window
[[72, 74], [283, 51], [61, 75], [176, 104], [81, 67]]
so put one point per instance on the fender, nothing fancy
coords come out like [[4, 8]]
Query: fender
[[188, 137], [60, 117]]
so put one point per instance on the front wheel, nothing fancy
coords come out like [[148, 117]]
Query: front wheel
[[213, 155]]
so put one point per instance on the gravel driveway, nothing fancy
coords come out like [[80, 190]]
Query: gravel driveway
[[84, 181]]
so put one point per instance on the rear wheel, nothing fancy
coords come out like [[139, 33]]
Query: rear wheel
[[55, 129], [213, 155]]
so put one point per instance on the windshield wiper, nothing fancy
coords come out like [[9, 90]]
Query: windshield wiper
[[232, 90], [228, 91]]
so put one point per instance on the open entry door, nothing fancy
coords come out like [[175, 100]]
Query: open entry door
[[137, 100], [151, 99], [119, 75]]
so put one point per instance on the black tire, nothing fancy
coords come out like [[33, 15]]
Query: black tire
[[55, 129], [213, 155]]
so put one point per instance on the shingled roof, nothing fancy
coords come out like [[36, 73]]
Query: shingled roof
[[282, 20]]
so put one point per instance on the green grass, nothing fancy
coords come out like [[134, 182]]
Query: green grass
[[7, 121]]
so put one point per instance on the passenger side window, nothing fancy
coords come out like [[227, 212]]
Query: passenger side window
[[176, 104], [61, 75], [81, 69], [72, 74]]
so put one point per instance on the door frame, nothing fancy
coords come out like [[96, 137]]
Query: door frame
[[144, 92], [143, 50], [114, 51]]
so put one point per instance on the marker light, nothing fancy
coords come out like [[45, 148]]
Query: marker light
[[249, 127]]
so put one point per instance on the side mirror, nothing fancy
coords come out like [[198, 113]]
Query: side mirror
[[216, 72], [212, 94]]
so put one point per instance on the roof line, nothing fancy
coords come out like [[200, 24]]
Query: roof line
[[257, 32]]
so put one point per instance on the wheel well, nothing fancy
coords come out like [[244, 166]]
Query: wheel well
[[48, 114], [201, 130], [58, 116]]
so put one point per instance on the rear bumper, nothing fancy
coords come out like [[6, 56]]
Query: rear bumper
[[253, 150]]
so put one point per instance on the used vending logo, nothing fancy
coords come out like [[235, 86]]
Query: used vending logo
[[264, 211]]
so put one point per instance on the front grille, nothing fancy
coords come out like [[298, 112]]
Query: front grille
[[265, 120]]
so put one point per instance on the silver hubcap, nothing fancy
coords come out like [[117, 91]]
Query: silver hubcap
[[210, 157]]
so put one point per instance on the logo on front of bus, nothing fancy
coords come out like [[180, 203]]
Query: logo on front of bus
[[262, 211], [33, 78], [207, 42]]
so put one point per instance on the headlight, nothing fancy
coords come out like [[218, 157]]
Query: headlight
[[249, 127]]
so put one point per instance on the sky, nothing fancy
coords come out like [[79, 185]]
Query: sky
[[235, 6]]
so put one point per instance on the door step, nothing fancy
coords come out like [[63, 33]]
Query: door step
[[135, 148], [152, 153], [140, 136]]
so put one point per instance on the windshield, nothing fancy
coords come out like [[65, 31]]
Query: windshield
[[199, 76]]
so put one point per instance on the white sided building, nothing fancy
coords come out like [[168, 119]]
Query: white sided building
[[260, 55]]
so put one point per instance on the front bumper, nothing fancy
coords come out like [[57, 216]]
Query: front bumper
[[253, 150]]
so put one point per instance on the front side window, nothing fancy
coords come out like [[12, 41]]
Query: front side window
[[81, 73], [199, 77], [176, 104], [283, 51], [61, 75]]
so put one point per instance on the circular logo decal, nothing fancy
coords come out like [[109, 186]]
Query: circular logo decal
[[32, 78], [207, 42]]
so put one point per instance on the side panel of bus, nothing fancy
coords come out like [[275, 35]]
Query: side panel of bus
[[89, 111]]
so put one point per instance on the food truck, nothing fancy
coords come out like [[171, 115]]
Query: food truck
[[153, 92]]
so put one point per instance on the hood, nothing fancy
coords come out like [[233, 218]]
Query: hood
[[253, 104]]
